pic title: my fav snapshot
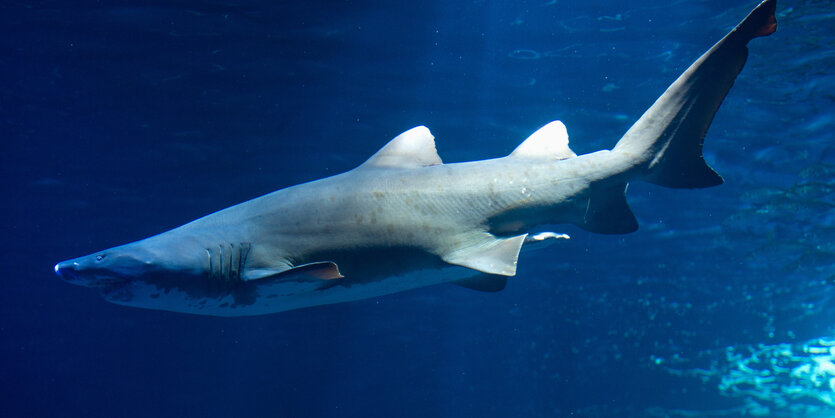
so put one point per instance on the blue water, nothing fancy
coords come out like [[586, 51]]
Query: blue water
[[125, 119]]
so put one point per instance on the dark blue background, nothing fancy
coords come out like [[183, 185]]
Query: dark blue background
[[124, 119]]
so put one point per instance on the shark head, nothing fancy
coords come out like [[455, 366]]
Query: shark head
[[182, 271], [146, 261], [109, 267]]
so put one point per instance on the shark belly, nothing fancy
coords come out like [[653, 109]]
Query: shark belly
[[279, 296]]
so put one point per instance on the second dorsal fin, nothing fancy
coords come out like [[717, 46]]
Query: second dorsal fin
[[411, 149], [549, 141]]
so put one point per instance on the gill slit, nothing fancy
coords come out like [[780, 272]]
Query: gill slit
[[227, 261]]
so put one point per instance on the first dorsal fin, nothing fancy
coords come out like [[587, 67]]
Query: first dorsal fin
[[411, 149], [549, 141]]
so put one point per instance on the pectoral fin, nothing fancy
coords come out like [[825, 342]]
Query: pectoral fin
[[488, 254], [324, 270]]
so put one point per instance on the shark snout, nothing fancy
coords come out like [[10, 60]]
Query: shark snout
[[67, 270], [80, 271]]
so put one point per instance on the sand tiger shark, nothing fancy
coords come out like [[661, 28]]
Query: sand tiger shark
[[404, 219]]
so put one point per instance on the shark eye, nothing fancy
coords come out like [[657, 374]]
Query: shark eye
[[100, 257]]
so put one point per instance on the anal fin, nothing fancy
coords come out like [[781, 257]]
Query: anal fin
[[608, 212]]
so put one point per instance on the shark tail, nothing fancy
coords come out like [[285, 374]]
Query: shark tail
[[666, 142]]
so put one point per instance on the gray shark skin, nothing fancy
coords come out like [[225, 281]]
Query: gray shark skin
[[404, 219]]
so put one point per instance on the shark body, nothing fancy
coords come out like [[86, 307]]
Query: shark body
[[404, 219]]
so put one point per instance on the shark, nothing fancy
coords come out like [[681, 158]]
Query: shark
[[404, 219]]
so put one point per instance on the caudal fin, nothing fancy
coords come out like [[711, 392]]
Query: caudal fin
[[667, 140]]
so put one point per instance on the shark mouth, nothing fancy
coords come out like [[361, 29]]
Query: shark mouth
[[107, 284]]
